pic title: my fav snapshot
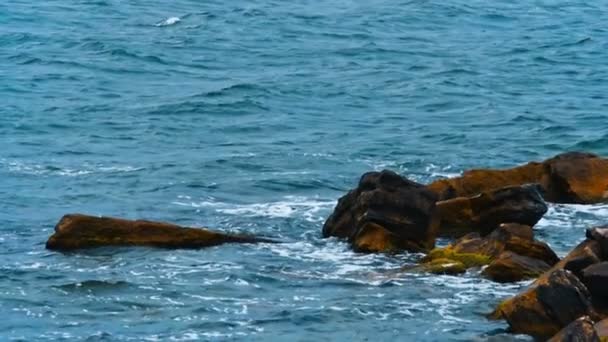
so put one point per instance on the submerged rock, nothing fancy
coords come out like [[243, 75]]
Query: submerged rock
[[76, 231], [581, 330], [572, 177], [483, 213], [510, 252], [386, 212], [548, 306]]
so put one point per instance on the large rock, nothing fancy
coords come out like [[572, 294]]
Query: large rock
[[510, 252], [548, 306], [483, 213], [386, 212], [571, 177], [581, 330], [511, 267], [78, 231], [595, 277]]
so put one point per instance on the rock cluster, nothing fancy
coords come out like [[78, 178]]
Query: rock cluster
[[574, 288], [491, 212]]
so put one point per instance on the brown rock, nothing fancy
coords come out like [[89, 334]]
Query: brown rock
[[583, 255], [600, 235], [571, 177], [386, 212], [547, 307], [595, 277], [483, 213], [581, 330], [576, 178], [76, 231], [510, 251], [511, 267]]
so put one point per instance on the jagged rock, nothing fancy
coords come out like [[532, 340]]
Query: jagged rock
[[76, 231], [386, 212], [581, 330], [583, 255], [483, 213], [600, 235], [510, 248], [595, 277], [572, 177], [548, 306]]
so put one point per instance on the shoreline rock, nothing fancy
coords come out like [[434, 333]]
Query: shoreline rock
[[510, 252], [485, 212], [77, 231], [572, 177], [385, 213]]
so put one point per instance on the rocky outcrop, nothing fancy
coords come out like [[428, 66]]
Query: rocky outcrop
[[547, 307], [483, 213], [575, 286], [581, 330], [572, 177], [386, 212], [78, 231], [510, 252]]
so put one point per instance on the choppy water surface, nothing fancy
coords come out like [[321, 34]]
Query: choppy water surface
[[255, 117]]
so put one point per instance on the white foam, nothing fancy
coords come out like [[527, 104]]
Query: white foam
[[169, 21], [291, 206]]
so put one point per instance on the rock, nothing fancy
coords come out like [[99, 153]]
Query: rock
[[442, 266], [76, 231], [601, 328], [386, 212], [511, 267], [581, 330], [600, 235], [483, 213], [583, 255], [595, 277], [572, 177], [576, 178], [510, 251], [548, 306]]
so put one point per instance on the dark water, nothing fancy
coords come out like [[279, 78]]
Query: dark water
[[255, 117]]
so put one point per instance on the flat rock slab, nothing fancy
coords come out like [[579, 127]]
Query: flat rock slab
[[77, 231]]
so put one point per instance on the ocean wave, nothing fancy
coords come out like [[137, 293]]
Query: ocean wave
[[311, 209], [34, 169]]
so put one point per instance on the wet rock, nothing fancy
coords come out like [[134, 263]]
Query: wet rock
[[441, 266], [583, 255], [483, 213], [386, 212], [76, 231], [510, 251], [595, 277], [511, 267], [581, 330], [572, 177], [600, 235], [548, 306], [576, 178]]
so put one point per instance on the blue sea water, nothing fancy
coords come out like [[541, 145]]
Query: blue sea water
[[255, 117]]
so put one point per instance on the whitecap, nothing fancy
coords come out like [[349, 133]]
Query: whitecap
[[169, 21], [311, 209]]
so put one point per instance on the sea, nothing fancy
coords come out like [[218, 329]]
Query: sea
[[255, 117]]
